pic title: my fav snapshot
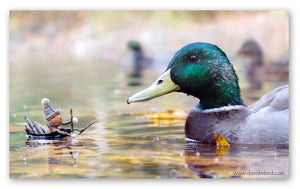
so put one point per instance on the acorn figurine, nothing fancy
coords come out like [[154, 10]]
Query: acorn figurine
[[54, 119], [53, 130]]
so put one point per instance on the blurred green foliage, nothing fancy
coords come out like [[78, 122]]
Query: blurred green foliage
[[104, 20]]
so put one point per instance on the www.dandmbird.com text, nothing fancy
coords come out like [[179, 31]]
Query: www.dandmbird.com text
[[259, 172]]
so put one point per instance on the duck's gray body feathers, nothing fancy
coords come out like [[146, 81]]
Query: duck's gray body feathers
[[265, 122]]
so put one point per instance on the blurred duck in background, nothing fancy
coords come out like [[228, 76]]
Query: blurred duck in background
[[155, 62], [139, 59], [256, 70]]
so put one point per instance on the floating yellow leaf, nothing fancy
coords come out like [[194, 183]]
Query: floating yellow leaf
[[169, 114], [220, 140]]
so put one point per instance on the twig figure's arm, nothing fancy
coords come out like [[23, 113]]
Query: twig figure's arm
[[62, 132]]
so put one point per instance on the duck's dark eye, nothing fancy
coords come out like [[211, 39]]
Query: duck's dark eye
[[192, 58]]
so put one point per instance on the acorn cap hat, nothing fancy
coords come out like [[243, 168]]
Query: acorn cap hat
[[50, 112]]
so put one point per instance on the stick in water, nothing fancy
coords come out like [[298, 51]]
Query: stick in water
[[72, 128], [82, 130]]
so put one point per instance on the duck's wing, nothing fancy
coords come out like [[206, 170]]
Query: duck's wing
[[278, 99], [268, 121]]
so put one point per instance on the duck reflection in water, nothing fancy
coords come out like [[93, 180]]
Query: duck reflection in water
[[236, 161]]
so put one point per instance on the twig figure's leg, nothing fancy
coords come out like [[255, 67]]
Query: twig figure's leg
[[63, 132]]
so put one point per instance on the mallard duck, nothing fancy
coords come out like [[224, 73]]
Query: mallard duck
[[139, 59], [204, 71], [154, 61], [257, 69]]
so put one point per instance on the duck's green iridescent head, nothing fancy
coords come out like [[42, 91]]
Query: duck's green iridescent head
[[134, 45], [201, 70]]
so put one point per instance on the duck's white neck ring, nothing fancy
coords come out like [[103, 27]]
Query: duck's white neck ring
[[222, 109]]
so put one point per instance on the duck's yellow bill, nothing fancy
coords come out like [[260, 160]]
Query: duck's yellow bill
[[163, 85]]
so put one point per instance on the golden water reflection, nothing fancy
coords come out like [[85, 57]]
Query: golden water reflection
[[148, 158], [124, 143]]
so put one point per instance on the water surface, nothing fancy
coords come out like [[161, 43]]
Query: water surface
[[124, 143]]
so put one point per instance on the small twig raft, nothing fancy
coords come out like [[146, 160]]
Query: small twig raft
[[53, 130], [35, 130]]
